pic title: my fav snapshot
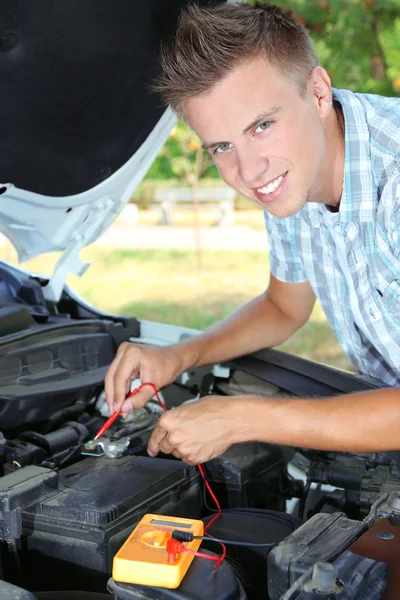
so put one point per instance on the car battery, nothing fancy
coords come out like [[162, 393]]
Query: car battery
[[97, 505], [202, 582], [250, 474]]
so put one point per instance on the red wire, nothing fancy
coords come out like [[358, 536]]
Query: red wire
[[202, 555], [142, 385], [217, 504]]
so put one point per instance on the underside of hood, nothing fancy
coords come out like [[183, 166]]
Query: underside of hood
[[79, 123], [76, 78]]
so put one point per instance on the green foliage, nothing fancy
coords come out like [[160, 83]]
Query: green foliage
[[181, 157], [357, 41]]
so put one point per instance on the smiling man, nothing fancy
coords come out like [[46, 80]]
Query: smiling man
[[276, 147], [325, 166]]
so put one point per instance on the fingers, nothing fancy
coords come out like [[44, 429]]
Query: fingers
[[139, 400], [195, 432], [157, 437], [166, 439], [126, 370], [159, 366], [189, 460], [109, 378]]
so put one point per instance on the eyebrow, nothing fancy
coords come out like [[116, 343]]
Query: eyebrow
[[264, 116]]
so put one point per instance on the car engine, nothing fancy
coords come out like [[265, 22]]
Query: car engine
[[69, 503]]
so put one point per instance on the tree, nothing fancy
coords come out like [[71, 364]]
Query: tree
[[357, 41], [189, 164], [167, 164]]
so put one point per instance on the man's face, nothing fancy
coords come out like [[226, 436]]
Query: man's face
[[267, 140]]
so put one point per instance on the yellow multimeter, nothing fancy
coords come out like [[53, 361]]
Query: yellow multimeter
[[143, 558]]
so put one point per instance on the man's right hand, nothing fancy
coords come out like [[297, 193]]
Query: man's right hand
[[152, 364]]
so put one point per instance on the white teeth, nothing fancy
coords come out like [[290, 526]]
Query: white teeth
[[271, 187]]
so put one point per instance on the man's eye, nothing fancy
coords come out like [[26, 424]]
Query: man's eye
[[263, 126], [222, 148]]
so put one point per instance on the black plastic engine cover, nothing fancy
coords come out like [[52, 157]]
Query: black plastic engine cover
[[251, 474], [324, 537], [46, 370]]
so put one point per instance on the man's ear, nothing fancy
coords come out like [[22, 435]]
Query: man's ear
[[321, 89]]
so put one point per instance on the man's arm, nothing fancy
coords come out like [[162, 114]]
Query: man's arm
[[361, 422], [266, 321]]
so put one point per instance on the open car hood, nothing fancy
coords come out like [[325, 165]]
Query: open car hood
[[80, 125]]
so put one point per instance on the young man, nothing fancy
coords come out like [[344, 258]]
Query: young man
[[325, 166]]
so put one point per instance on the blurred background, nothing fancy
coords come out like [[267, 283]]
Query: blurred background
[[188, 251]]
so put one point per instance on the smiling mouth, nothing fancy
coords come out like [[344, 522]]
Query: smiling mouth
[[271, 186]]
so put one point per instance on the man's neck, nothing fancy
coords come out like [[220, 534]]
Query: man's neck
[[330, 184]]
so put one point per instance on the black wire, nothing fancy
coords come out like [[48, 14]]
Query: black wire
[[132, 428], [234, 543], [64, 458], [68, 456]]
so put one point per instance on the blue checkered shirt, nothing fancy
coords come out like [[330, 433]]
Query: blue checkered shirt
[[302, 247]]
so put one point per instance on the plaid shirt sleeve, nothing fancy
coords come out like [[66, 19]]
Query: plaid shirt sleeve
[[285, 261]]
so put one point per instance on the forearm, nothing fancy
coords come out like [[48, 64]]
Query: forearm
[[258, 324], [362, 422]]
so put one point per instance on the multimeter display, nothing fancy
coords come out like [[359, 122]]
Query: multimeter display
[[143, 558], [175, 524]]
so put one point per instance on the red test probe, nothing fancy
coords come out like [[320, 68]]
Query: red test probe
[[116, 414], [107, 424]]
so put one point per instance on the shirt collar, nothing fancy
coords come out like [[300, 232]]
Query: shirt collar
[[359, 191]]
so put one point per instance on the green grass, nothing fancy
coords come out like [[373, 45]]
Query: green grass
[[167, 286]]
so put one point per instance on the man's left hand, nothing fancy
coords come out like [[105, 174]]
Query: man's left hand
[[198, 431]]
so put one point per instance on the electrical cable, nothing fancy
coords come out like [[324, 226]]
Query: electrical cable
[[68, 455], [236, 542], [208, 507], [201, 555], [185, 536], [174, 548], [200, 468], [130, 429]]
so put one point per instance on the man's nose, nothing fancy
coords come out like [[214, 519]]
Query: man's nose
[[253, 168]]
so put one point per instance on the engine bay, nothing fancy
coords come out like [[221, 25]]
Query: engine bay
[[70, 503]]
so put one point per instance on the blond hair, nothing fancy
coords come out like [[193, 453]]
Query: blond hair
[[211, 41]]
